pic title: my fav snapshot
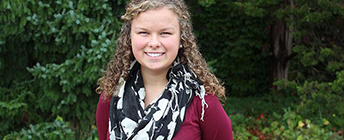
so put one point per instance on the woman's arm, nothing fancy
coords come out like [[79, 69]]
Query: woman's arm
[[216, 124], [102, 117]]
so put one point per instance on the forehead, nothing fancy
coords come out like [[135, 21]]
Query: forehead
[[158, 16]]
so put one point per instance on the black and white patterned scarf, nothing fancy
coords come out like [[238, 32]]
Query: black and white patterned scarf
[[160, 120]]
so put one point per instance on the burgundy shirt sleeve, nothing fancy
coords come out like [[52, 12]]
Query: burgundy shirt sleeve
[[102, 117], [216, 124]]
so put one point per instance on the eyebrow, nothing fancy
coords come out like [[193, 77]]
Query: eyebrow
[[168, 28]]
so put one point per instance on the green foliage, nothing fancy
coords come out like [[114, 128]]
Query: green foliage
[[52, 54], [292, 126], [54, 130], [276, 122], [321, 98], [234, 42], [17, 107], [318, 35], [206, 3], [316, 71], [254, 106]]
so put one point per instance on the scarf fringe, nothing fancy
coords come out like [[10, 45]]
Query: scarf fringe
[[202, 95]]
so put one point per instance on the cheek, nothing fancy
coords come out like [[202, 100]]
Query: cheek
[[172, 43], [137, 43]]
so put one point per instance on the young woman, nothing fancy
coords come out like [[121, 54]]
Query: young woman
[[158, 85]]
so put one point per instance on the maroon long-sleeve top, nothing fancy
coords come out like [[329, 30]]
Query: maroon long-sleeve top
[[216, 124]]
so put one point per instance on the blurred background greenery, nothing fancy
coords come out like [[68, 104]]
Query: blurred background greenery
[[280, 60]]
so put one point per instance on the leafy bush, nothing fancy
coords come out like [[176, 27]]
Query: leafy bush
[[276, 117], [52, 53], [316, 72], [255, 106], [319, 98], [233, 42], [42, 131], [17, 108], [325, 99], [290, 125]]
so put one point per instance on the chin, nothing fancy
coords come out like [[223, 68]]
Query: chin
[[159, 68]]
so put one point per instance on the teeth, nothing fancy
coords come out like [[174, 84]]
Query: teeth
[[154, 54]]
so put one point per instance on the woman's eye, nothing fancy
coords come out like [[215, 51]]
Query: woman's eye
[[144, 33], [165, 33]]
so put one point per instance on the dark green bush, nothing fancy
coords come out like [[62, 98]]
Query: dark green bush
[[234, 44], [42, 131], [52, 53], [277, 122], [321, 100], [316, 72]]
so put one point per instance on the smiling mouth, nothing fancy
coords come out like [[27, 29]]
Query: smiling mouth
[[154, 54]]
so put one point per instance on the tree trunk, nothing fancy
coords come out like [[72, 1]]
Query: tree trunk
[[281, 43], [281, 48]]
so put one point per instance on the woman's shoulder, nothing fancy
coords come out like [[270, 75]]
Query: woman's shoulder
[[211, 100], [216, 123], [210, 106]]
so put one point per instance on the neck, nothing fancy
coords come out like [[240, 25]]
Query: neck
[[154, 79], [154, 83]]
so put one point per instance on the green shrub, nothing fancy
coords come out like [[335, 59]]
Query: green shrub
[[44, 131], [324, 99], [290, 125], [52, 53], [233, 42], [319, 99], [255, 106]]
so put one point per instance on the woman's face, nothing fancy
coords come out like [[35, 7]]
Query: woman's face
[[155, 39]]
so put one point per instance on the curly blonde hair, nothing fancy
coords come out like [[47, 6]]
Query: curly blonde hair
[[118, 68]]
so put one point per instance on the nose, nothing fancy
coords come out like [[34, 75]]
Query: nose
[[154, 41]]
